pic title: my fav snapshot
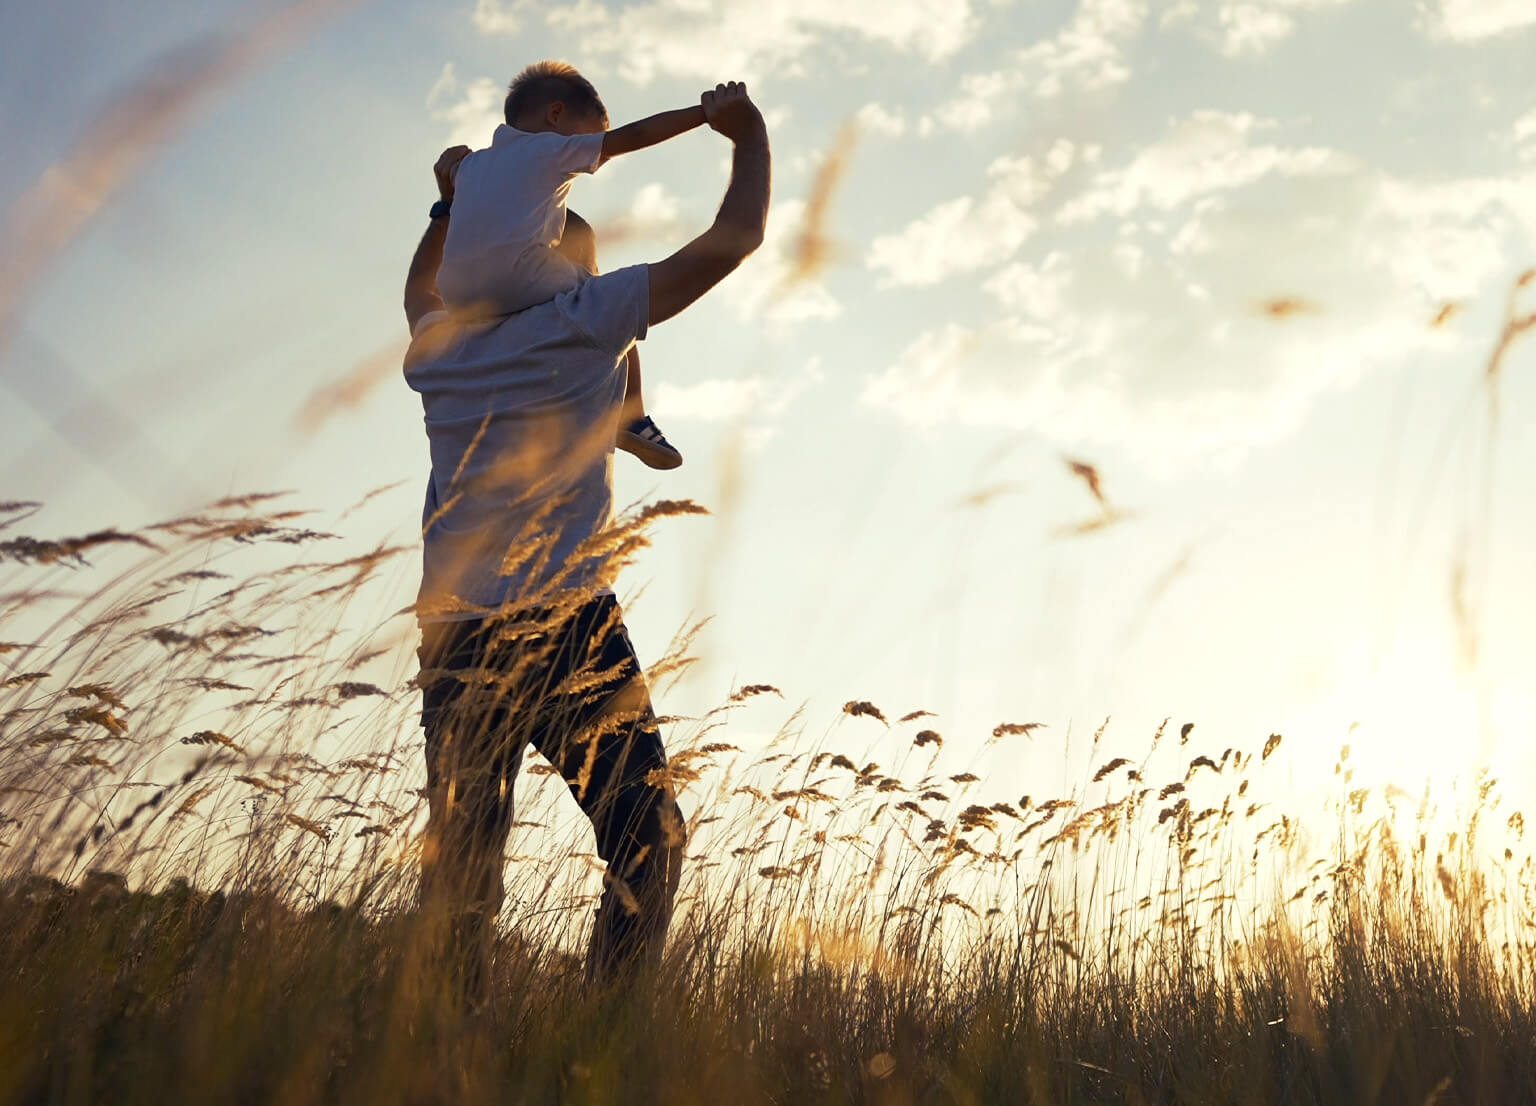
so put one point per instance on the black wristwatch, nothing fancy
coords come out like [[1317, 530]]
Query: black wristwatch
[[439, 210]]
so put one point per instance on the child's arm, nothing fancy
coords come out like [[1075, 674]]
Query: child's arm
[[650, 130]]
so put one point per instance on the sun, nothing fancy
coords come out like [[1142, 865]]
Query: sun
[[1410, 714]]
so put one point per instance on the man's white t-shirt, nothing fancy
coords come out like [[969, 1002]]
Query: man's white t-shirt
[[511, 195], [521, 415]]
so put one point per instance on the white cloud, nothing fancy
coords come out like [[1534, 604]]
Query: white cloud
[[497, 17], [654, 204], [1179, 12], [470, 112], [927, 384], [1033, 291], [1088, 55], [730, 399], [969, 233], [1457, 232], [750, 38], [1253, 28], [1205, 153], [1471, 20], [723, 399], [653, 215], [1242, 27], [1525, 136], [1145, 329], [954, 237], [762, 288], [877, 119]]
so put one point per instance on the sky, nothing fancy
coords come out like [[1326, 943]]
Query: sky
[[1248, 259]]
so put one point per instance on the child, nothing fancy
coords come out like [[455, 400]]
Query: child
[[509, 211]]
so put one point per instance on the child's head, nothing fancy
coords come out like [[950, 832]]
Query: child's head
[[553, 96]]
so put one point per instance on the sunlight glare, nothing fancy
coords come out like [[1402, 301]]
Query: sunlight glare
[[1409, 715]]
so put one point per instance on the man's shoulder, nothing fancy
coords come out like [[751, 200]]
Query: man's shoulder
[[442, 338], [614, 282], [604, 313], [610, 310]]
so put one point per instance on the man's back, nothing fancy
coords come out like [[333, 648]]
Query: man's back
[[520, 418]]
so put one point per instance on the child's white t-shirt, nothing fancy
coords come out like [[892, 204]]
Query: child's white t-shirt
[[511, 195]]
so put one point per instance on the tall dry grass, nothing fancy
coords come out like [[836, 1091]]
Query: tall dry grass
[[210, 799]]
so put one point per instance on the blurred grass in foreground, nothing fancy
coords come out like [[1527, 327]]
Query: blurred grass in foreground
[[208, 804]]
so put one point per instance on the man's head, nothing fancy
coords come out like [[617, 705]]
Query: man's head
[[553, 96]]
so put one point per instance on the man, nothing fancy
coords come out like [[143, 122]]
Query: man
[[522, 640]]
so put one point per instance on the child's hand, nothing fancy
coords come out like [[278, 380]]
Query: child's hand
[[730, 111], [447, 169]]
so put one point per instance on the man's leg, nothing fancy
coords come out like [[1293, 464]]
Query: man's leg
[[472, 755], [607, 745]]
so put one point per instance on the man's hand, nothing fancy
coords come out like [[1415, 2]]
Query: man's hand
[[421, 296], [447, 168], [730, 111]]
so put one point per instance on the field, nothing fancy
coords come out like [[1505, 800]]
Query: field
[[1172, 354], [208, 814]]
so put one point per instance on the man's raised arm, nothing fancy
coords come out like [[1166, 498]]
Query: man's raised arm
[[421, 296], [738, 227]]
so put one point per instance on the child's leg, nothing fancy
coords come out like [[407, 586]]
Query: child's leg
[[578, 242], [495, 284], [634, 401], [637, 433]]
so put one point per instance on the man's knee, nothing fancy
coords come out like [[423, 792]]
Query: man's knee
[[671, 829], [642, 820]]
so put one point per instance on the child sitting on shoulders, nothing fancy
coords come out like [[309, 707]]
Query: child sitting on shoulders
[[509, 211]]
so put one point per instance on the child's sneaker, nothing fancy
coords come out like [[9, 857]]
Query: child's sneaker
[[645, 440]]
